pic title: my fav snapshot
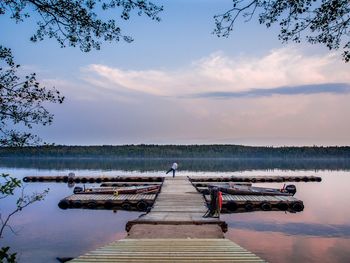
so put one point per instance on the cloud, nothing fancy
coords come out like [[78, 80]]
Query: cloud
[[332, 88], [282, 71], [282, 98]]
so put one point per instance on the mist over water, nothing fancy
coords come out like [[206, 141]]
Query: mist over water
[[320, 233]]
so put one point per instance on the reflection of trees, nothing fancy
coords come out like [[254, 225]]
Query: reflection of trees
[[146, 165]]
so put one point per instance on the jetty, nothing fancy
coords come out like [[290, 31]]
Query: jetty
[[173, 227], [173, 231]]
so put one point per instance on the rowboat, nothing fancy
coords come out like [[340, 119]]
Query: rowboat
[[248, 189], [144, 189]]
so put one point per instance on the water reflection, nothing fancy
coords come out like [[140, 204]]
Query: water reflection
[[320, 233], [291, 228]]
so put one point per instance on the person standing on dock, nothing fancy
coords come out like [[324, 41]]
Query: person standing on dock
[[173, 168]]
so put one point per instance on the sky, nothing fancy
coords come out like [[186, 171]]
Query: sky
[[178, 83]]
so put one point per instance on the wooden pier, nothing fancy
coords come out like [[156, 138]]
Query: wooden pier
[[174, 228], [170, 250], [178, 203], [173, 231]]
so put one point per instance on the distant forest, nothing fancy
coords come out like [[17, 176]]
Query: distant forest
[[176, 152]]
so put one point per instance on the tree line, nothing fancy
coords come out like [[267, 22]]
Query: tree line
[[176, 151]]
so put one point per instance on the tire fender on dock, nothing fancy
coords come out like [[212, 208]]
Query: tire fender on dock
[[142, 205], [232, 205], [298, 206], [63, 204], [265, 206], [126, 205]]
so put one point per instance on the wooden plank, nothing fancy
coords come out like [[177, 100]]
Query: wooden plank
[[170, 250]]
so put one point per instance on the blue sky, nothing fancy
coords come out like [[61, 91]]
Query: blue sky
[[179, 83]]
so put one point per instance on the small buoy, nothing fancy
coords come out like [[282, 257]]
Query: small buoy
[[318, 179], [265, 206], [77, 180], [91, 180], [63, 204], [262, 180], [98, 180], [297, 179], [41, 179], [84, 180], [305, 179], [34, 179], [26, 179]]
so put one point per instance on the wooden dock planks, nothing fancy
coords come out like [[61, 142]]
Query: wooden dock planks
[[178, 201], [170, 250], [173, 231]]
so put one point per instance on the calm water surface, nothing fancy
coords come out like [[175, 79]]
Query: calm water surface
[[321, 233]]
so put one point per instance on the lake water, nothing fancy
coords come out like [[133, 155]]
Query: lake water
[[320, 233]]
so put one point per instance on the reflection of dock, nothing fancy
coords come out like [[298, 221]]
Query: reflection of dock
[[173, 231]]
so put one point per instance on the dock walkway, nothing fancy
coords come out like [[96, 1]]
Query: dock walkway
[[173, 231], [178, 203], [170, 250]]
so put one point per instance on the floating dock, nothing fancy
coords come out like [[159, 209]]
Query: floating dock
[[173, 231], [249, 203], [178, 203], [91, 179], [131, 202], [204, 181]]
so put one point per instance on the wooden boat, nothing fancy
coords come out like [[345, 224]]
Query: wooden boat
[[246, 189], [145, 189]]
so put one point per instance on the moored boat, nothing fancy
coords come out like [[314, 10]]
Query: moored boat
[[148, 189], [246, 189]]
